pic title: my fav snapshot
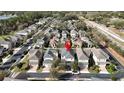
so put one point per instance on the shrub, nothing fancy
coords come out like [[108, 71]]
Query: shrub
[[54, 73], [111, 68], [75, 66], [94, 69], [114, 78], [55, 63]]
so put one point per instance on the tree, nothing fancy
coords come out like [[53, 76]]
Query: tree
[[75, 66], [54, 74], [2, 75], [81, 25], [94, 69], [1, 59], [56, 63], [91, 61]]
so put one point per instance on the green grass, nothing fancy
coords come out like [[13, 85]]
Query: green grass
[[111, 68], [24, 66], [39, 70], [2, 37], [94, 69]]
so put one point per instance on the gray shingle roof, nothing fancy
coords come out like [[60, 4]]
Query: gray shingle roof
[[35, 52], [50, 53], [80, 54]]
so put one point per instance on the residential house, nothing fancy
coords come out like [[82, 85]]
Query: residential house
[[87, 51], [73, 33], [32, 27], [78, 42], [13, 40], [64, 34], [6, 44], [22, 33], [40, 43], [50, 54], [87, 41], [82, 33], [99, 56], [20, 39], [53, 42], [46, 38], [35, 56], [82, 58], [49, 57], [67, 55], [1, 51]]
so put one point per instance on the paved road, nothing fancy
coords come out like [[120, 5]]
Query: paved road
[[115, 38], [69, 76], [15, 58], [105, 30], [115, 61]]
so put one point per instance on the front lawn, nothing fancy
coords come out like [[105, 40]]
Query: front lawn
[[94, 69]]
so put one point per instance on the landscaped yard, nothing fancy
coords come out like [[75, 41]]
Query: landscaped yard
[[94, 69], [23, 66], [111, 68], [2, 37]]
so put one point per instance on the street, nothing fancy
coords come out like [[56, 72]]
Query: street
[[70, 76]]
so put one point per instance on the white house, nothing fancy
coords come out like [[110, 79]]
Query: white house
[[99, 56], [49, 57], [35, 56], [64, 34], [73, 33], [23, 33], [39, 43], [6, 44]]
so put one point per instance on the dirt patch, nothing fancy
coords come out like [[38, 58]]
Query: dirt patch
[[116, 55]]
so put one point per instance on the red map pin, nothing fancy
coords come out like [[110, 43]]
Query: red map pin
[[68, 45]]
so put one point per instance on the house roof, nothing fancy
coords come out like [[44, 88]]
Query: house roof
[[80, 54], [50, 53], [67, 54], [13, 38], [100, 54], [5, 42], [19, 36], [74, 32], [85, 39], [1, 50], [41, 41], [87, 51], [35, 52], [23, 32], [64, 32]]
